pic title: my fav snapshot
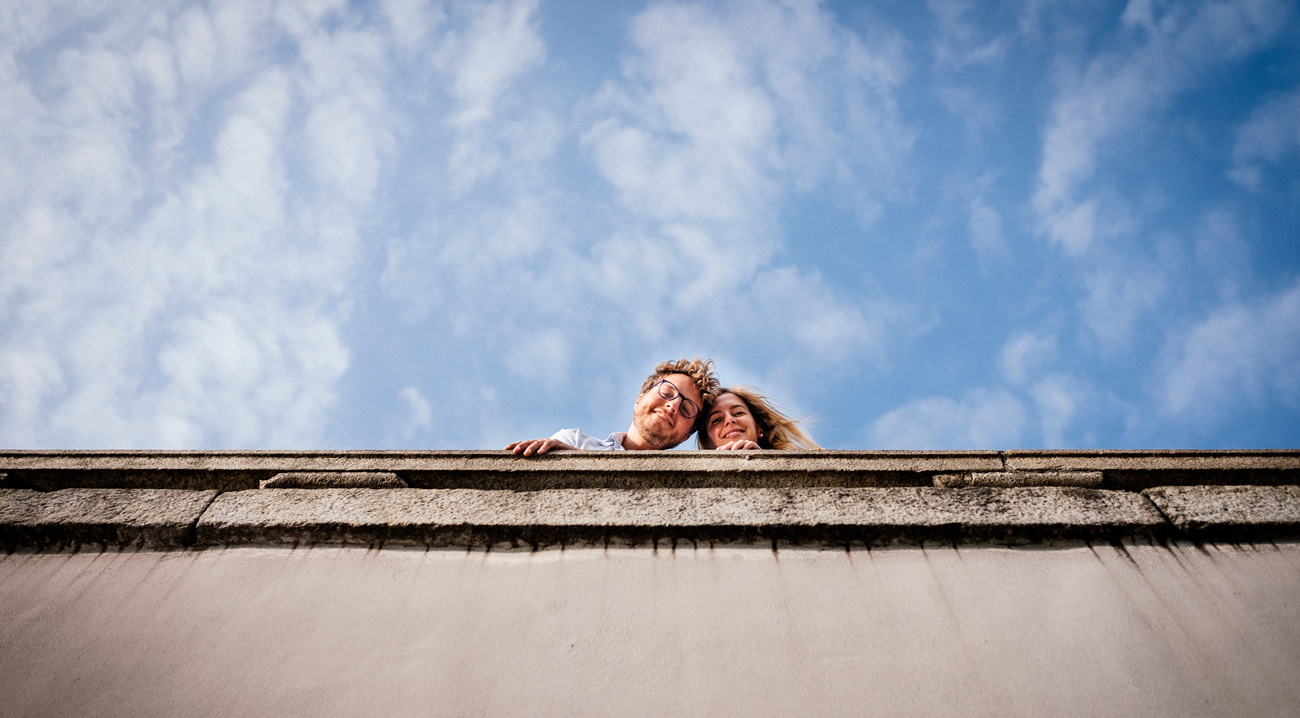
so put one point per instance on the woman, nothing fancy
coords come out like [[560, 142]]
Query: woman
[[742, 418]]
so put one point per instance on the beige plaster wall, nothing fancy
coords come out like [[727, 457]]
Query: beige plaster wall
[[1082, 630]]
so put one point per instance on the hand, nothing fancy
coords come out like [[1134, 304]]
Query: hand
[[537, 446], [743, 444]]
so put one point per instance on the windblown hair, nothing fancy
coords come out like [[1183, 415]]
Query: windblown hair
[[776, 430], [700, 370]]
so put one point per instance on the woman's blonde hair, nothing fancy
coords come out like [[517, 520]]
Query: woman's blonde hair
[[775, 430]]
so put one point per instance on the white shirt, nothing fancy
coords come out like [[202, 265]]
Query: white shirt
[[579, 439]]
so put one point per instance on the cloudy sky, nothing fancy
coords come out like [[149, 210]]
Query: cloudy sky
[[449, 225]]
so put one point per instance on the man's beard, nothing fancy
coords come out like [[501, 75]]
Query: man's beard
[[656, 435]]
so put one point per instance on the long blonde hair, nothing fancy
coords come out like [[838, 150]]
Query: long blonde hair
[[775, 430]]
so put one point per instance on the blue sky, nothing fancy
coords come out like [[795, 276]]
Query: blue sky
[[451, 225]]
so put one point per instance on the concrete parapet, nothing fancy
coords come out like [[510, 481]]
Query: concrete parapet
[[1134, 470], [238, 470], [837, 516], [105, 517], [335, 480], [459, 498], [1231, 513], [1013, 479]]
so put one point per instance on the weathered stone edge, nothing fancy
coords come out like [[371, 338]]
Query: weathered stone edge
[[121, 518], [843, 516], [1014, 479], [335, 480], [1131, 470], [106, 518], [1230, 513], [359, 460]]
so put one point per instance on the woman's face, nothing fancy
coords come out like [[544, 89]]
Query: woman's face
[[730, 420]]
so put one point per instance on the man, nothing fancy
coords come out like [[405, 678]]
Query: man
[[665, 414]]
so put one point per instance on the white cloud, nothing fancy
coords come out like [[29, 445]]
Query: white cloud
[[1271, 133], [346, 131], [1115, 100], [959, 43], [719, 108], [980, 113], [418, 414], [699, 142], [1139, 13], [539, 356], [1024, 355], [719, 113], [822, 324], [985, 419], [990, 417], [494, 129], [1057, 400], [1119, 90], [985, 229], [411, 21], [1241, 354], [1116, 297], [718, 116], [1222, 254], [185, 289], [499, 46]]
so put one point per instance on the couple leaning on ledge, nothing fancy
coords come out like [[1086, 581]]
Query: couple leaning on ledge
[[678, 399]]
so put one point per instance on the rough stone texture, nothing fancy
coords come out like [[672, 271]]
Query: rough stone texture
[[1013, 479], [1134, 470], [1151, 459], [105, 517], [845, 516], [335, 480], [1234, 513], [239, 470]]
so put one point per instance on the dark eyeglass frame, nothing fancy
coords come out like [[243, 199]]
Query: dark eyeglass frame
[[682, 406]]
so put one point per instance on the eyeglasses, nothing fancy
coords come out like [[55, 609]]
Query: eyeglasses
[[686, 408]]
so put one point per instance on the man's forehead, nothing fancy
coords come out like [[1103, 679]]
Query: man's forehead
[[683, 383]]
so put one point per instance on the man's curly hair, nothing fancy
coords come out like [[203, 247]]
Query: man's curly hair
[[699, 370]]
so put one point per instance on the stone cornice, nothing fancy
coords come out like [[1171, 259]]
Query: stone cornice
[[53, 500], [234, 470]]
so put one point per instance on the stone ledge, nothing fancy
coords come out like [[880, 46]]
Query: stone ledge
[[1013, 479], [839, 516], [1232, 513], [1137, 469], [153, 518], [335, 480], [1153, 459], [239, 470]]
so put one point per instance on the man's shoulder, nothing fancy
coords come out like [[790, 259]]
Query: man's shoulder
[[579, 439]]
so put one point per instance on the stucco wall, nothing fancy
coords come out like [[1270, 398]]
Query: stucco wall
[[1135, 629], [650, 583]]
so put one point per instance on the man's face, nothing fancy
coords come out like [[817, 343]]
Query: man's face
[[660, 420]]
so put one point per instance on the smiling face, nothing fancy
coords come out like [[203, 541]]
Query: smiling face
[[730, 420], [659, 421]]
